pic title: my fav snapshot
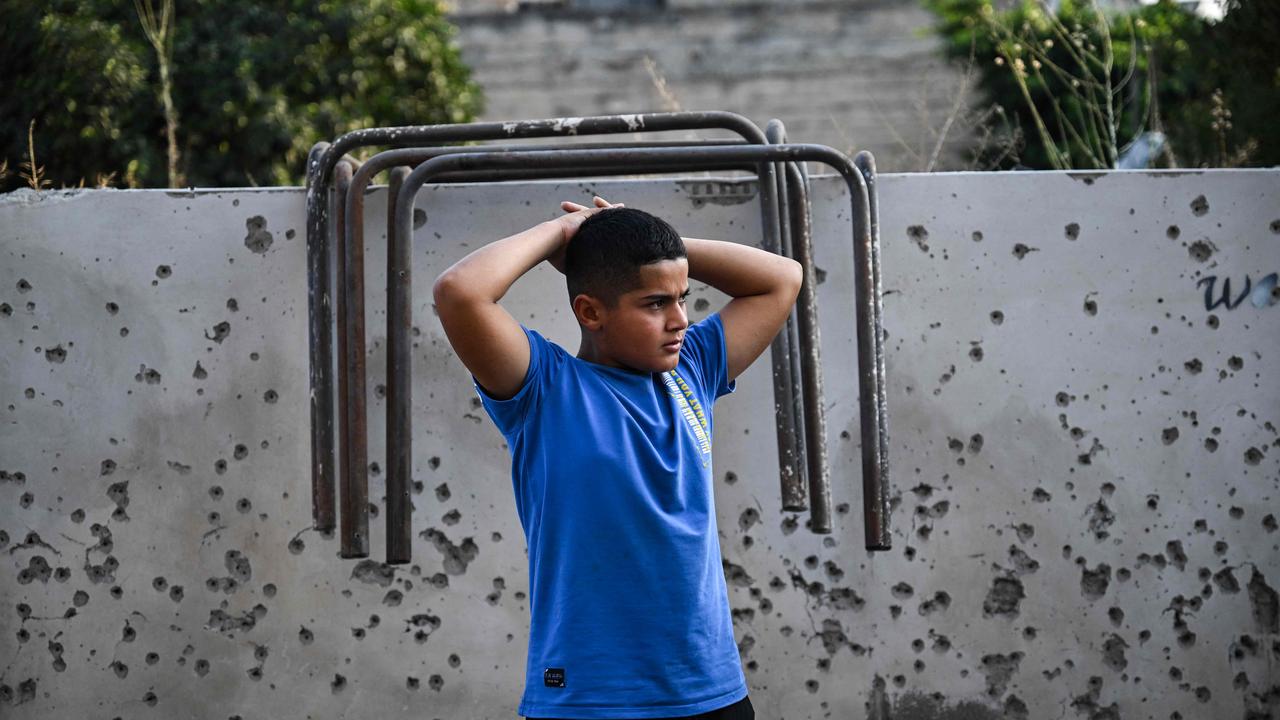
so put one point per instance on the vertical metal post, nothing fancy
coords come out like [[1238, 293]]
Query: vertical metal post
[[399, 504]]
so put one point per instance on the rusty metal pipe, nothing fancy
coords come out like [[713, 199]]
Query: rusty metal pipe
[[319, 196], [876, 497], [814, 411], [354, 529], [352, 373], [794, 493], [399, 345], [871, 381]]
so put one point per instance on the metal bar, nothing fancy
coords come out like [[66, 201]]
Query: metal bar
[[322, 500], [319, 192], [399, 506], [871, 381], [876, 497], [317, 236], [354, 428], [353, 497], [794, 493], [815, 419]]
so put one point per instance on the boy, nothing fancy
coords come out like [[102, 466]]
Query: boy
[[611, 453]]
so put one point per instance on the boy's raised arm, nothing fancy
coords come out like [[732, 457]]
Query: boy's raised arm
[[763, 285], [486, 338]]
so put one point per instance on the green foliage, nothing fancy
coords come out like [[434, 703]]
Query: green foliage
[[1212, 88], [255, 85]]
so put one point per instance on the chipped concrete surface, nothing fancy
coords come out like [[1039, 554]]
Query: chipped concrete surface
[[1084, 460]]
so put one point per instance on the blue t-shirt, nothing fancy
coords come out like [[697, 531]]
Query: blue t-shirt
[[613, 484]]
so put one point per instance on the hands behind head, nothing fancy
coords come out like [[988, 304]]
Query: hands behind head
[[570, 222]]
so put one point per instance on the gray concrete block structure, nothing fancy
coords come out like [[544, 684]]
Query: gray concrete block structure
[[1084, 454]]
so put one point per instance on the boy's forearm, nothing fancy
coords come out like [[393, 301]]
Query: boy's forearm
[[739, 270], [490, 271]]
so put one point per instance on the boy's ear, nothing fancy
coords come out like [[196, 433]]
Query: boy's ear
[[589, 311]]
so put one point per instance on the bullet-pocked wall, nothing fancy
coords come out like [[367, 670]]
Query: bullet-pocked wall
[[1084, 460]]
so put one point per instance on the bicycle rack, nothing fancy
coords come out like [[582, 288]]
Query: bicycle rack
[[630, 161], [791, 193], [322, 162]]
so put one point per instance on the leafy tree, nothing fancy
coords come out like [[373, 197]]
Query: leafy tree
[[1085, 83], [254, 85]]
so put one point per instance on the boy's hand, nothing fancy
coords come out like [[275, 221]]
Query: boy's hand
[[569, 224]]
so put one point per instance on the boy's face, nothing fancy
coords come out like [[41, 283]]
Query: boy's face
[[644, 330]]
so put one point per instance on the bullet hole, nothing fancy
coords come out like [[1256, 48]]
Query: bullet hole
[[435, 682], [1073, 231], [1169, 435], [811, 685], [220, 466], [412, 683], [1252, 456], [175, 593], [439, 581], [1235, 363], [918, 235], [56, 355], [1201, 250], [238, 565], [240, 452], [1212, 321], [393, 598], [270, 397], [1199, 206], [380, 391], [819, 275], [26, 499], [80, 599], [419, 218], [1093, 583], [418, 485], [163, 271], [373, 573], [457, 556], [749, 517], [24, 286], [254, 673], [452, 517], [975, 443], [997, 317], [442, 492], [150, 375], [700, 304], [357, 633], [296, 546], [258, 239], [975, 352], [124, 332], [977, 236], [1020, 251], [220, 332], [120, 669], [128, 634], [495, 536], [730, 477], [232, 305], [243, 505], [833, 571]]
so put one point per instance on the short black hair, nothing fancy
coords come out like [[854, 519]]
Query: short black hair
[[603, 258]]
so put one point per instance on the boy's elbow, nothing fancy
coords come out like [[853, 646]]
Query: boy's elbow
[[447, 288], [795, 277]]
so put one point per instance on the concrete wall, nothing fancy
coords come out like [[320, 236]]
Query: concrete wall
[[865, 74], [1084, 461]]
